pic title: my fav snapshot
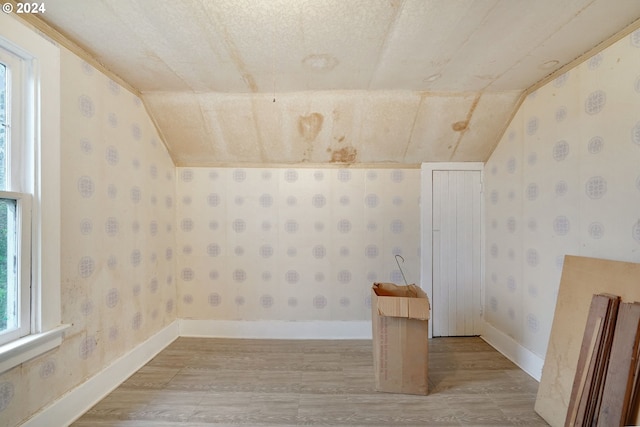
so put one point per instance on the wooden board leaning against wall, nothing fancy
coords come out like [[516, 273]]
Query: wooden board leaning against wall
[[582, 278]]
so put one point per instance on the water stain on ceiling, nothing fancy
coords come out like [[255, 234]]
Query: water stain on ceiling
[[309, 126], [281, 81]]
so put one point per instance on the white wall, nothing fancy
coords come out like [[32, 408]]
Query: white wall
[[292, 243], [564, 179]]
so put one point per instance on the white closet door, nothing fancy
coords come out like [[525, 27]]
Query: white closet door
[[456, 252]]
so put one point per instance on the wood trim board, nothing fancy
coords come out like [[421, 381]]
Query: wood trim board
[[616, 395], [592, 363], [634, 402], [580, 382]]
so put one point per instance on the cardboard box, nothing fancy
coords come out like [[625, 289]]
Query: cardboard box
[[400, 321]]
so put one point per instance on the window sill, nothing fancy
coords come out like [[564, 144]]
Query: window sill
[[23, 349]]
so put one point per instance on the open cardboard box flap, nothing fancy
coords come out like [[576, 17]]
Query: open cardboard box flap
[[409, 302]]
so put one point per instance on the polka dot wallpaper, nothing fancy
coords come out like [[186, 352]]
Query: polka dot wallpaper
[[564, 179], [118, 281], [145, 243], [292, 244]]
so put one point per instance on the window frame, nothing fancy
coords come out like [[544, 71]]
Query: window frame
[[23, 249], [18, 121], [41, 57], [18, 185]]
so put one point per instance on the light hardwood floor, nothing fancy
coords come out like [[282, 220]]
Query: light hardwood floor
[[223, 382]]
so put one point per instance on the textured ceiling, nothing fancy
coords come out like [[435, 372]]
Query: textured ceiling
[[354, 81]]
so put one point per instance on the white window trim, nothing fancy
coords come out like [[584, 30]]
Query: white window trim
[[23, 274], [46, 330]]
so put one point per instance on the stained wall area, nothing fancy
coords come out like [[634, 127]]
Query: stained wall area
[[292, 243], [118, 283], [564, 179]]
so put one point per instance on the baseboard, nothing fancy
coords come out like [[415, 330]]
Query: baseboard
[[271, 329], [72, 405], [528, 361]]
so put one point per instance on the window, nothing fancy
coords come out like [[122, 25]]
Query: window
[[15, 266], [30, 317], [15, 203]]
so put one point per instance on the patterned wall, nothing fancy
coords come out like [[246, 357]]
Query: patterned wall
[[306, 244], [563, 180], [118, 284], [292, 244]]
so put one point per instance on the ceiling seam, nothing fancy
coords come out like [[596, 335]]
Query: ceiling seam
[[507, 124], [205, 125], [232, 50], [172, 155], [472, 33], [61, 39], [632, 27], [254, 115], [423, 95], [385, 42], [302, 165], [519, 61], [134, 29], [474, 104]]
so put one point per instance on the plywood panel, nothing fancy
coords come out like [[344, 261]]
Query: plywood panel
[[582, 277]]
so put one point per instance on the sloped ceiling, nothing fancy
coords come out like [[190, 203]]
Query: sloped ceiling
[[335, 81]]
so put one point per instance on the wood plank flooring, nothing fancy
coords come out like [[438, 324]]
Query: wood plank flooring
[[224, 382]]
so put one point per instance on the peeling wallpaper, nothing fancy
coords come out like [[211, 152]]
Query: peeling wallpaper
[[563, 180], [292, 244], [118, 282]]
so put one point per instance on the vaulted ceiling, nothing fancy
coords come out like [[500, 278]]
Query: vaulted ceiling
[[334, 81]]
